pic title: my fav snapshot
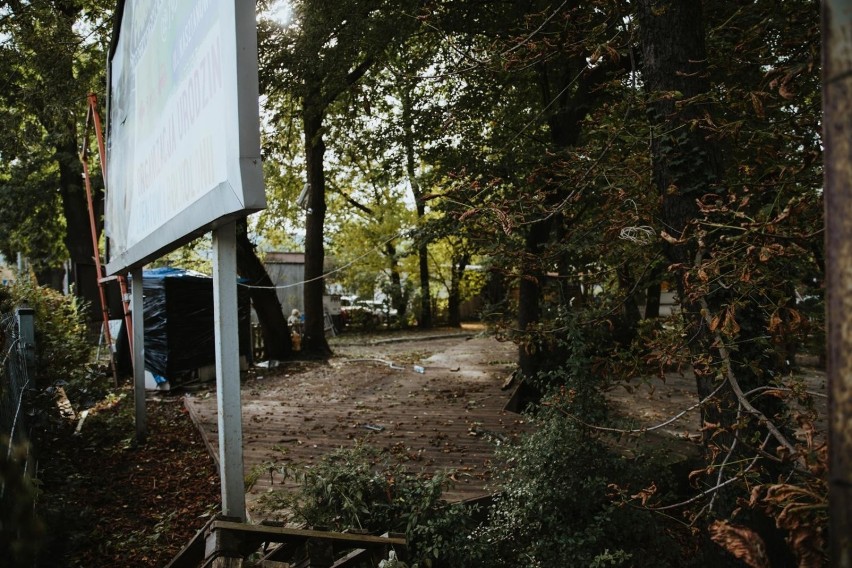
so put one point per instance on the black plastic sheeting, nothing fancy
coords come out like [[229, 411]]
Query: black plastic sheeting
[[179, 335]]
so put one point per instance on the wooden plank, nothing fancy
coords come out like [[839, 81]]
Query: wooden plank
[[265, 533], [192, 555], [352, 558]]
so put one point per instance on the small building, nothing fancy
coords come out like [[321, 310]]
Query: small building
[[287, 272], [7, 273]]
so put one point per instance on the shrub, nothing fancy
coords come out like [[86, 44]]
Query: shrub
[[62, 348], [358, 488], [554, 508]]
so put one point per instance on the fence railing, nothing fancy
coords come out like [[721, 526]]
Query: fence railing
[[17, 340]]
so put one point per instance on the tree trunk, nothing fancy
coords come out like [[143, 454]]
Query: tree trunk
[[654, 293], [454, 300], [424, 321], [63, 125], [529, 295], [399, 301], [564, 126], [78, 237], [273, 325], [684, 165], [314, 342]]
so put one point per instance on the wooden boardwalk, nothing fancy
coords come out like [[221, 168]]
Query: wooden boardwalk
[[447, 418]]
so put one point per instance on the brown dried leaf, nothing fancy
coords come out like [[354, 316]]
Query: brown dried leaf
[[613, 54], [775, 323], [731, 328], [645, 494], [468, 213], [807, 544], [742, 542], [715, 323], [670, 239], [757, 104]]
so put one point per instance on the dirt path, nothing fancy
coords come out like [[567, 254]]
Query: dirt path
[[449, 417]]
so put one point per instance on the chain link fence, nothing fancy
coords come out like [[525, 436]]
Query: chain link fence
[[20, 528], [14, 382]]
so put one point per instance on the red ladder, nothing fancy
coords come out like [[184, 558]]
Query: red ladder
[[92, 117]]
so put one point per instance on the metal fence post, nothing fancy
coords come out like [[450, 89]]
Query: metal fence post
[[26, 332]]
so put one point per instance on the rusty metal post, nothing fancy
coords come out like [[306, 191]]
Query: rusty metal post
[[837, 141], [84, 159]]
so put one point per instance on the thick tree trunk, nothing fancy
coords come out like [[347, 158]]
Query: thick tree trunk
[[78, 239], [78, 235], [529, 296], [685, 165], [564, 125], [314, 342], [273, 325], [63, 127]]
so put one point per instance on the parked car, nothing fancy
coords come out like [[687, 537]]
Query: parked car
[[383, 310], [365, 313], [356, 313]]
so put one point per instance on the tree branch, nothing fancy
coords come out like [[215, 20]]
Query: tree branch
[[735, 385]]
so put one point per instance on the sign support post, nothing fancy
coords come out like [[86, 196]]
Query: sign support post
[[228, 370], [837, 127], [138, 347]]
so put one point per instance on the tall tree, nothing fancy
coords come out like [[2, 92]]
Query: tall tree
[[52, 56], [528, 82], [686, 166], [273, 324], [324, 53]]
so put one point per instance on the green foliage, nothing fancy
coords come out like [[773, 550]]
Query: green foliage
[[63, 350], [31, 223], [195, 255], [555, 506], [359, 488], [52, 56]]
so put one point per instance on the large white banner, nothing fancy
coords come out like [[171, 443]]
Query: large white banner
[[183, 138]]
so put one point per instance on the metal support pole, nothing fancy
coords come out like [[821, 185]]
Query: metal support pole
[[138, 349], [228, 370], [837, 141], [98, 269], [26, 333]]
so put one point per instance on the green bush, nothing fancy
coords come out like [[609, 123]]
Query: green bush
[[359, 489], [62, 347], [63, 350], [556, 508], [556, 504]]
